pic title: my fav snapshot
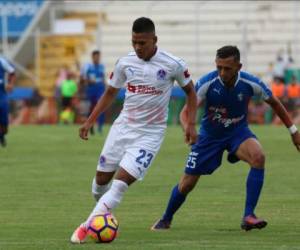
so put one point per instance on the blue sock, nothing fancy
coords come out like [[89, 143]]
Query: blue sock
[[176, 200], [255, 182]]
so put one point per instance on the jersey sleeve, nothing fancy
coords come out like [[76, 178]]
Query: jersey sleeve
[[182, 75], [261, 90], [7, 66], [201, 88], [117, 78]]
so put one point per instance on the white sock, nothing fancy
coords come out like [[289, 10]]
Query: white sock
[[110, 199], [98, 190]]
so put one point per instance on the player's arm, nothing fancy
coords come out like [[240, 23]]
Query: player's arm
[[190, 111], [11, 82], [103, 103], [280, 110], [183, 116], [10, 70]]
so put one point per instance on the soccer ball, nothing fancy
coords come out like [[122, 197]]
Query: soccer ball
[[103, 228]]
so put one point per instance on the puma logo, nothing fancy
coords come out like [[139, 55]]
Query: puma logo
[[217, 90]]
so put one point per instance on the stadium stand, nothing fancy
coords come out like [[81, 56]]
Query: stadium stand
[[192, 30]]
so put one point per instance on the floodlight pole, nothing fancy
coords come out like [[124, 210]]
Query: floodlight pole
[[296, 39], [4, 33], [245, 36]]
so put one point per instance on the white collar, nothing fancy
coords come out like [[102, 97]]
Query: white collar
[[236, 82]]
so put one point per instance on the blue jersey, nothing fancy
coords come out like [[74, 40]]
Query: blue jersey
[[5, 67], [226, 109], [94, 72]]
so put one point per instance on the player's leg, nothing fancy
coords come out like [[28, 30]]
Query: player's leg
[[203, 159], [176, 200], [108, 201], [100, 122], [100, 183], [113, 196], [3, 123], [107, 165], [3, 131], [251, 152], [93, 102], [133, 166]]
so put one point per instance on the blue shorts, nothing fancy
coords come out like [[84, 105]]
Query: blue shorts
[[4, 113], [94, 91], [206, 155]]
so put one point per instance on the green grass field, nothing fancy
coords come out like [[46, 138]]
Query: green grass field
[[46, 174]]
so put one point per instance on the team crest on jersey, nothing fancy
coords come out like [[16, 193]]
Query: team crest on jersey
[[240, 97], [102, 161], [161, 74]]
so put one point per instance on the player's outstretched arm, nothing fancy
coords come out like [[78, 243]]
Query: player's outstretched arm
[[11, 82], [280, 110], [188, 120], [103, 103]]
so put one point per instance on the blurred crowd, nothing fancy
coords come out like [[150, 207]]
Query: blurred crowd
[[76, 93], [78, 89], [284, 80]]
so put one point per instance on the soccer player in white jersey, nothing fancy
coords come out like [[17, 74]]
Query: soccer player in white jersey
[[136, 135]]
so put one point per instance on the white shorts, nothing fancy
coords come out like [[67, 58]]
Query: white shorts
[[133, 151]]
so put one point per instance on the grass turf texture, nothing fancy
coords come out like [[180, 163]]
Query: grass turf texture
[[46, 174]]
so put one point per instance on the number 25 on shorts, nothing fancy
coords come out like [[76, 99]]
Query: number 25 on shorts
[[191, 162]]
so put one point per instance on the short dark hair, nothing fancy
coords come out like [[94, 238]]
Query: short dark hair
[[228, 51], [143, 25], [96, 52]]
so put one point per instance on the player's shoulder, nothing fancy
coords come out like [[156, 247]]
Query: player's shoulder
[[170, 58], [205, 81], [6, 64], [3, 60], [131, 56], [208, 78], [249, 78]]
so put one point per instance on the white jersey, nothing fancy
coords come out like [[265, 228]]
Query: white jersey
[[148, 89]]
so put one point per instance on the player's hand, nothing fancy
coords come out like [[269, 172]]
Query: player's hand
[[296, 140], [190, 134], [84, 130]]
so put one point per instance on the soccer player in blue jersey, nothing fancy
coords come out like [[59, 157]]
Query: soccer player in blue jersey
[[93, 74], [7, 80], [226, 93]]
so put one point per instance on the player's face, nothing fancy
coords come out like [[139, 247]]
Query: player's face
[[228, 69], [144, 44], [96, 58]]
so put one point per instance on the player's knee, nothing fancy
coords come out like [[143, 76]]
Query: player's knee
[[258, 160], [186, 186], [102, 179]]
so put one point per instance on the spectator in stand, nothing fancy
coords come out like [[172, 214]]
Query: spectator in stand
[[278, 88], [93, 76], [283, 62], [68, 92], [293, 94], [279, 91], [256, 112]]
